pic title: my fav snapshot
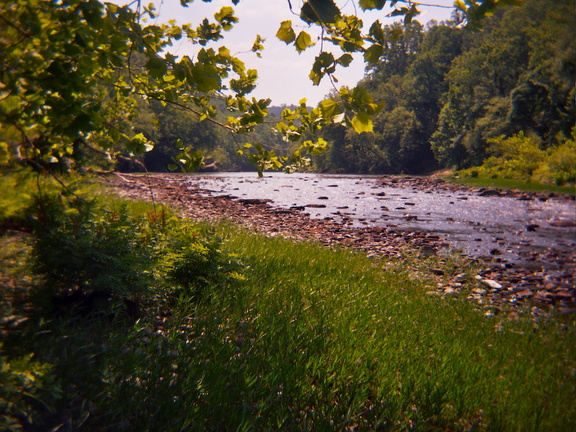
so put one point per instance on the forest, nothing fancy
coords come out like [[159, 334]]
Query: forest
[[453, 99]]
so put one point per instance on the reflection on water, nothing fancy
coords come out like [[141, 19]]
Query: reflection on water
[[478, 225]]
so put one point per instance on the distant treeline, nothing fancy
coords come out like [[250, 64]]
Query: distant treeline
[[165, 125], [450, 92]]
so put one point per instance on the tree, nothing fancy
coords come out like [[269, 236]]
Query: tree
[[72, 75], [441, 44], [413, 91], [514, 78], [399, 53]]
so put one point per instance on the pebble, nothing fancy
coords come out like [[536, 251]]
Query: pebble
[[492, 284]]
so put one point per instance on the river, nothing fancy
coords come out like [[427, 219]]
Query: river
[[516, 230]]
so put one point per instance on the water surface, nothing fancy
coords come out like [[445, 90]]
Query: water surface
[[512, 229]]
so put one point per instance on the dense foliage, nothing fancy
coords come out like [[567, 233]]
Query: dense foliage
[[520, 157], [102, 260], [82, 90], [449, 92], [173, 129], [229, 330]]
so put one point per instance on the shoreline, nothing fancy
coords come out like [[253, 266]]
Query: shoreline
[[497, 284]]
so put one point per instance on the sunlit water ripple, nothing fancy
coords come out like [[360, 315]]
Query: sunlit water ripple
[[477, 225]]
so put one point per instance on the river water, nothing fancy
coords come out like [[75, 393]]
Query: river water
[[512, 229]]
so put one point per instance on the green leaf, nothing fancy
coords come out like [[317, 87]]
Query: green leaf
[[323, 64], [373, 54], [10, 105], [476, 11], [303, 41], [372, 4], [459, 4], [82, 123], [345, 60], [258, 45], [411, 14], [205, 77], [286, 33], [399, 12], [156, 67], [315, 148], [362, 122], [92, 12], [329, 108], [139, 144], [407, 13], [375, 108], [191, 160], [320, 11], [377, 32], [226, 17]]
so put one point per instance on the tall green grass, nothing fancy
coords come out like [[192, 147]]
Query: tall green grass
[[375, 349], [510, 184], [313, 339], [325, 340]]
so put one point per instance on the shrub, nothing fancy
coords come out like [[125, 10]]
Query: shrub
[[27, 388], [562, 162], [97, 260], [88, 254], [196, 261], [520, 158], [515, 157]]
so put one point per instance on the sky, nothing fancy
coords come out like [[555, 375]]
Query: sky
[[282, 72]]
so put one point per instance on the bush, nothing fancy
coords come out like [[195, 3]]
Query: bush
[[98, 260], [520, 158], [562, 162], [87, 254], [27, 388], [197, 262]]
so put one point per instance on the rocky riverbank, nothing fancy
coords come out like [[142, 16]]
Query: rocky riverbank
[[497, 285]]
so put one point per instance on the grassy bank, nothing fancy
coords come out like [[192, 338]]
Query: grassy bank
[[510, 184], [305, 338]]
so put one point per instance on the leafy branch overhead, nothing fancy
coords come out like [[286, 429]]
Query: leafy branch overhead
[[75, 72]]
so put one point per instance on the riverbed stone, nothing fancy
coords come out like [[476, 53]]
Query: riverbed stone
[[488, 193], [563, 223], [492, 284]]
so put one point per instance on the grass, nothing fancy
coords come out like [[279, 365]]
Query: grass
[[313, 339], [509, 184]]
